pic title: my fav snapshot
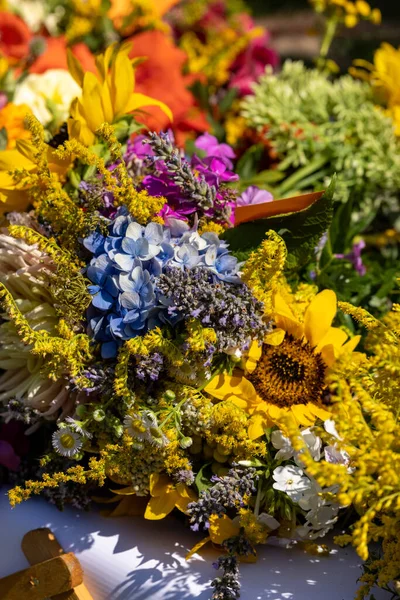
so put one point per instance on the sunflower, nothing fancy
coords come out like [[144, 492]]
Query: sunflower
[[286, 376]]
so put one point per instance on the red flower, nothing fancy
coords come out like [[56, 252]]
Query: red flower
[[55, 56], [160, 76], [14, 36]]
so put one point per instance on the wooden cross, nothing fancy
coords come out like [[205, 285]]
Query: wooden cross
[[53, 574]]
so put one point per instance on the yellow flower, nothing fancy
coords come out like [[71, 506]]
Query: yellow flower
[[385, 75], [221, 529], [106, 96], [14, 196], [165, 496], [286, 376], [12, 119]]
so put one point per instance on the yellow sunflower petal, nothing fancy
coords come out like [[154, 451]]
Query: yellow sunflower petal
[[351, 344], [319, 316], [302, 414], [329, 354], [225, 387], [159, 507], [334, 336], [319, 412], [256, 426], [276, 337], [284, 318], [253, 357]]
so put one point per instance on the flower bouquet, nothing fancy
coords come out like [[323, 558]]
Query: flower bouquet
[[174, 340]]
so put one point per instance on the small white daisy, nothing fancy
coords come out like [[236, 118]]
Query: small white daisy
[[67, 442], [77, 426]]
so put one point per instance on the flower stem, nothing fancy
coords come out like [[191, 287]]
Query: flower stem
[[330, 30]]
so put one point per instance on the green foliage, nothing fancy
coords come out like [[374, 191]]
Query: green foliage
[[319, 127], [301, 231]]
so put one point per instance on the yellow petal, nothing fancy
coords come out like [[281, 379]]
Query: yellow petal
[[12, 159], [225, 387], [329, 354], [75, 68], [334, 336], [351, 344], [159, 484], [126, 491], [302, 415], [284, 318], [159, 507], [121, 84], [275, 338], [319, 316], [256, 426], [186, 492], [91, 102], [253, 357], [320, 412], [182, 503], [141, 100], [106, 104], [197, 547], [222, 528]]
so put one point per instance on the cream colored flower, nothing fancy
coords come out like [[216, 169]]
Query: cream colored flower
[[49, 95]]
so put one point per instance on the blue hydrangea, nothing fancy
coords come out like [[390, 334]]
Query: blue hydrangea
[[125, 268]]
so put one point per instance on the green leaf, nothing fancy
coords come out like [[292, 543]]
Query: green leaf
[[301, 231], [227, 100], [3, 138], [246, 167], [202, 480]]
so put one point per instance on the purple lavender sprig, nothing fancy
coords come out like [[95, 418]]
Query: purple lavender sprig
[[226, 587], [182, 174], [227, 493]]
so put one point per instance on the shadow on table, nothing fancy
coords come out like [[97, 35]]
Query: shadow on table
[[133, 559]]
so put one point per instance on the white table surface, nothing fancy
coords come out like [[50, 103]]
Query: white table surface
[[127, 558]]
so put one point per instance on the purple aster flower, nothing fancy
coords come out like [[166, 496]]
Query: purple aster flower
[[355, 257], [254, 195], [212, 147]]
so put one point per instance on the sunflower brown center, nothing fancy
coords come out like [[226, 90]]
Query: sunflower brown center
[[291, 373]]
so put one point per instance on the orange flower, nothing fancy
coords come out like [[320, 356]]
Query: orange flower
[[148, 13], [161, 76], [12, 120], [55, 56], [14, 36]]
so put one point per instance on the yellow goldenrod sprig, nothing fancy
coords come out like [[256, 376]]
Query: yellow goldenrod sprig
[[264, 267], [76, 474], [64, 355]]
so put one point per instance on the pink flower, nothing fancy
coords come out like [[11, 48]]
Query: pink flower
[[251, 63]]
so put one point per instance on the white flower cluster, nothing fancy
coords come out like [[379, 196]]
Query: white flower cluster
[[321, 512]]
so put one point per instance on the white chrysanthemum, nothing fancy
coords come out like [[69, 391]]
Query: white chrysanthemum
[[49, 95], [25, 271], [67, 442]]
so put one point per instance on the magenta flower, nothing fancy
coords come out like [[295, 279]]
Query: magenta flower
[[250, 64], [212, 147]]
